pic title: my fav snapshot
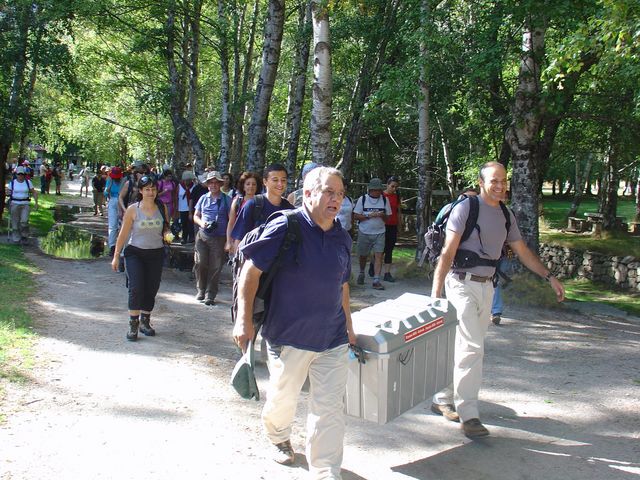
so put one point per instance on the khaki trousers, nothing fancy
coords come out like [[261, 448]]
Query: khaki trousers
[[472, 301], [327, 371], [208, 262]]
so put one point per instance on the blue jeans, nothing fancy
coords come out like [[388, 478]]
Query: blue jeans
[[497, 305], [114, 221]]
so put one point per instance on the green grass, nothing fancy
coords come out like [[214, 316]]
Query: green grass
[[16, 336], [583, 290], [611, 243], [555, 209]]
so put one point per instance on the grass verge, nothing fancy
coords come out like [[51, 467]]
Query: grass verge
[[583, 290], [16, 336]]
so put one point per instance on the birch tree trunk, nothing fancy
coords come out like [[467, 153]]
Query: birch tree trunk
[[264, 89], [185, 138], [225, 120], [523, 134], [447, 160], [12, 113], [580, 183], [611, 177], [321, 109], [423, 201], [240, 102]]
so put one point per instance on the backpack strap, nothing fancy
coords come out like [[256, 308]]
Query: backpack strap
[[507, 216], [257, 208], [472, 218]]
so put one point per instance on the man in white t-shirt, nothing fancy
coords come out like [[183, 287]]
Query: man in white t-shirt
[[371, 211]]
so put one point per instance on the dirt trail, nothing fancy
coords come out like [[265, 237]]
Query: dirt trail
[[561, 395]]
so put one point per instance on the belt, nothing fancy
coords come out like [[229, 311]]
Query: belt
[[472, 277]]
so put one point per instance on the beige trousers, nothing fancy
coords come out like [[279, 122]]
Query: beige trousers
[[327, 371], [472, 301]]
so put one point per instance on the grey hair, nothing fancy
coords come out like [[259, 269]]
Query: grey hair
[[313, 180]]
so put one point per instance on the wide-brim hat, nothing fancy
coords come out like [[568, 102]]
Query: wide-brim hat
[[115, 173], [214, 175], [375, 184]]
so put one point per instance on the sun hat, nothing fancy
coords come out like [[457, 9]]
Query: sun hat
[[243, 378], [375, 184], [116, 173], [26, 162], [213, 175]]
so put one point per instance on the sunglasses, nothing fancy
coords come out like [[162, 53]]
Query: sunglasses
[[146, 180]]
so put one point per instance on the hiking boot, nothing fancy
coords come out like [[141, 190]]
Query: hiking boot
[[209, 301], [448, 411], [389, 278], [283, 453], [474, 429], [200, 296], [132, 334], [360, 280], [496, 319], [377, 285], [145, 326], [371, 270]]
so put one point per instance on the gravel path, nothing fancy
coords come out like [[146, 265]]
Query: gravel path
[[561, 395]]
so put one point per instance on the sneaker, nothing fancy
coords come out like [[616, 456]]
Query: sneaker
[[360, 280], [388, 278], [378, 286], [200, 296], [448, 411], [283, 453], [496, 319], [371, 270], [474, 429]]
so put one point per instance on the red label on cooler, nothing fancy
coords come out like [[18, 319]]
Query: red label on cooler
[[421, 330]]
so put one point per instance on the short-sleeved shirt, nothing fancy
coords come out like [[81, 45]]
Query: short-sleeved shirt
[[214, 209], [245, 223], [305, 308], [345, 214], [493, 232], [372, 226], [20, 191], [393, 200]]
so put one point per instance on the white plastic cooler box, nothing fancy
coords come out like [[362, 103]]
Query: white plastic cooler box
[[408, 344]]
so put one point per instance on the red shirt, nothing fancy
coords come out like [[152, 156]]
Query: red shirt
[[394, 201]]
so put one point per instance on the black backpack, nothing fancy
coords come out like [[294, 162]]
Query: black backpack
[[436, 232], [293, 236], [258, 207]]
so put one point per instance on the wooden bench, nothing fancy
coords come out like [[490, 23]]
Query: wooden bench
[[577, 224]]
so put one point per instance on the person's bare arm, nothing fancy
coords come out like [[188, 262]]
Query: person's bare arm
[[122, 194], [243, 330], [451, 242], [230, 245], [533, 263]]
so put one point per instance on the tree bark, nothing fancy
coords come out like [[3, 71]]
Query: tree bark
[[580, 182], [297, 87], [321, 109], [240, 102], [611, 177], [523, 134], [225, 120], [10, 118], [447, 160], [367, 80], [185, 138], [270, 58], [423, 201]]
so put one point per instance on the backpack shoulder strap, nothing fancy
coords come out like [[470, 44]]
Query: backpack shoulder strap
[[507, 216], [258, 207], [472, 219]]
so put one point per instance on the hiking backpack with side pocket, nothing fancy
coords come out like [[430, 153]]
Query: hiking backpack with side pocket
[[292, 239], [435, 235]]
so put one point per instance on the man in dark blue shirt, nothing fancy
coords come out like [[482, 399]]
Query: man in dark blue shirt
[[307, 324], [275, 182], [211, 215]]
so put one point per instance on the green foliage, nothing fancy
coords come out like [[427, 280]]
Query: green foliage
[[586, 291]]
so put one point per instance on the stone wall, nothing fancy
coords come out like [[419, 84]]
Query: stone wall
[[619, 272]]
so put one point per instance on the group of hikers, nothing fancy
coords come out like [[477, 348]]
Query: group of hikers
[[306, 321]]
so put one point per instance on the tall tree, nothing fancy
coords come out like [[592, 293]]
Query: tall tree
[[322, 89], [262, 103]]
